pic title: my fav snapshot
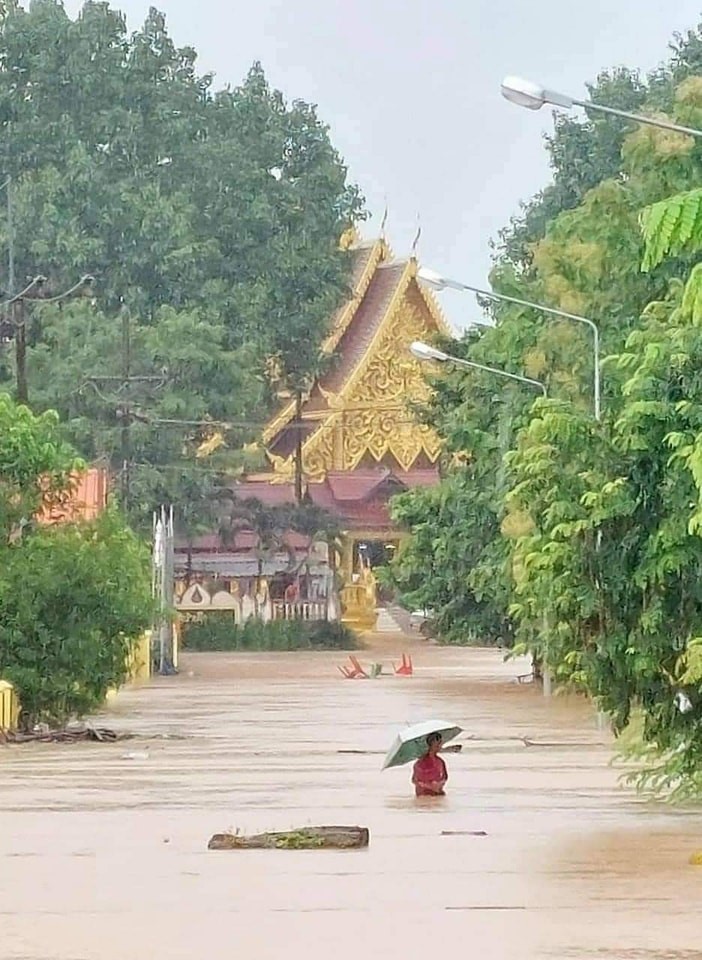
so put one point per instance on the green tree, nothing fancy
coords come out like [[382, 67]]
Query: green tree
[[73, 597], [35, 466], [608, 575], [212, 216], [577, 247]]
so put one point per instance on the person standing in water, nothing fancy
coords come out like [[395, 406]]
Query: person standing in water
[[429, 775]]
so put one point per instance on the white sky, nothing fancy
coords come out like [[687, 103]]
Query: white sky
[[410, 89]]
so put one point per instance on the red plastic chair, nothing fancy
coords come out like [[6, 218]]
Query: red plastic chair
[[405, 669]]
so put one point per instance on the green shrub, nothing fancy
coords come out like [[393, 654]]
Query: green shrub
[[71, 597], [219, 631]]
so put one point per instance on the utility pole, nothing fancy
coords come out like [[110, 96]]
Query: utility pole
[[126, 412], [15, 301], [15, 307], [19, 321], [122, 400]]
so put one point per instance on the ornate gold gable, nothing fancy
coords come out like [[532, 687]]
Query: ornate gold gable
[[370, 257], [369, 416]]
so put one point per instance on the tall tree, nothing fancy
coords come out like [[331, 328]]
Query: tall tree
[[211, 217], [578, 248]]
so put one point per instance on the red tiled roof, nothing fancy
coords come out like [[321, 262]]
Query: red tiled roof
[[342, 486], [270, 494], [356, 497], [361, 256], [365, 324], [355, 485], [419, 478]]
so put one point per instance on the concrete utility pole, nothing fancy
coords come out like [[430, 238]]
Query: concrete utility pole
[[20, 323], [122, 401], [15, 301]]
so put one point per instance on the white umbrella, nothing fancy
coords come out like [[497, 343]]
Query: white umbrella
[[411, 743]]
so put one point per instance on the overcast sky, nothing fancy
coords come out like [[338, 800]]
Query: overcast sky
[[410, 89]]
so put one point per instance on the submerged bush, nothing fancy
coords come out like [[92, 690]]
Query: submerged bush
[[219, 631]]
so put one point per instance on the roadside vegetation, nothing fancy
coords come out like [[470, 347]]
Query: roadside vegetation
[[210, 221], [73, 597], [581, 540]]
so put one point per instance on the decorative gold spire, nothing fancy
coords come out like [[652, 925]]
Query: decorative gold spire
[[415, 242], [384, 220]]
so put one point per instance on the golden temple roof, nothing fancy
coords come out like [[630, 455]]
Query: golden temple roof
[[372, 377]]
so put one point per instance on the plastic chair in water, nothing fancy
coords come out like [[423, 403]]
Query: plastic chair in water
[[355, 671], [405, 669]]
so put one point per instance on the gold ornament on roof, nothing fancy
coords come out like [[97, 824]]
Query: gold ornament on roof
[[370, 418]]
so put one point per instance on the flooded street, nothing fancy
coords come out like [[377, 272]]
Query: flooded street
[[103, 846]]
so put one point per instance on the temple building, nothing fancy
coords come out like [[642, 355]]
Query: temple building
[[361, 444]]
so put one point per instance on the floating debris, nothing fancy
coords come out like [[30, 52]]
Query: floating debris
[[67, 735], [306, 838]]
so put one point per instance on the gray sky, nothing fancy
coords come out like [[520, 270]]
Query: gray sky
[[410, 89]]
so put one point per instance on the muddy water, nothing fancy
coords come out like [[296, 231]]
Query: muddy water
[[103, 856]]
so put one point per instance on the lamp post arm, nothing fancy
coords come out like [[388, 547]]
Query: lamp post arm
[[552, 312], [23, 293], [500, 373], [637, 118], [66, 293]]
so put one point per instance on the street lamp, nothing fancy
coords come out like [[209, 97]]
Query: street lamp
[[35, 282], [439, 282], [533, 96], [423, 351], [19, 323]]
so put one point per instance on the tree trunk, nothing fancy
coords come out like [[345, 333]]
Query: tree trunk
[[307, 838]]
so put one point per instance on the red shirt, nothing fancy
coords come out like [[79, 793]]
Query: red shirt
[[428, 770]]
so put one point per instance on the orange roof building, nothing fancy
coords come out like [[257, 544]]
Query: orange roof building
[[86, 499]]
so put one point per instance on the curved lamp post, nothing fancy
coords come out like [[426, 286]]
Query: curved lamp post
[[19, 323], [533, 96], [423, 351], [439, 282]]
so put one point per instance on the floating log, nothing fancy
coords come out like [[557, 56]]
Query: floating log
[[306, 838]]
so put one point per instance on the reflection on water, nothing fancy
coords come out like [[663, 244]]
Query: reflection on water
[[104, 858]]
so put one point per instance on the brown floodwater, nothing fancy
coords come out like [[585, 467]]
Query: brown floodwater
[[103, 846]]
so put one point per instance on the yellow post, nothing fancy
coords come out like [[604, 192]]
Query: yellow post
[[9, 707], [138, 663], [177, 627], [140, 658]]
